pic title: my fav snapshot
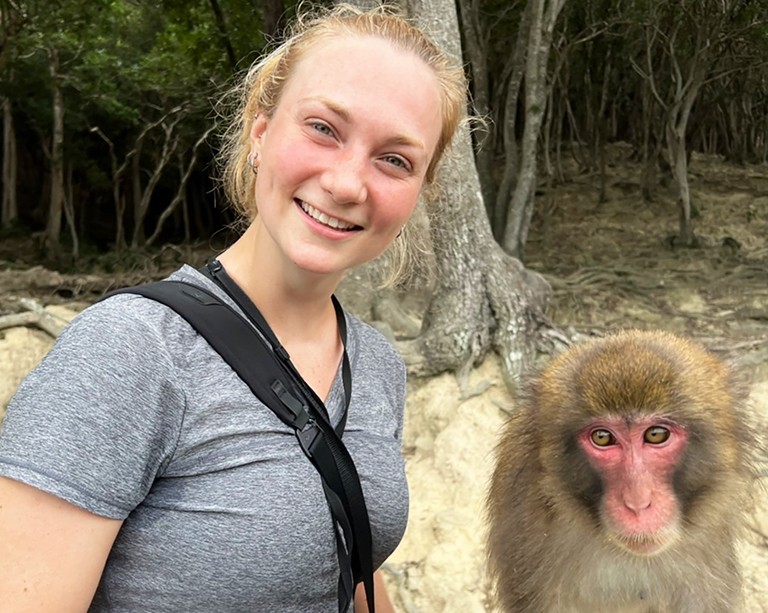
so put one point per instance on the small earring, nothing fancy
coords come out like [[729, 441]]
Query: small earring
[[252, 157], [399, 234]]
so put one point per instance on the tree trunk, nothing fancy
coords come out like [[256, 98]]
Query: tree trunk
[[509, 123], [118, 197], [137, 196], [543, 21], [56, 204], [69, 215], [601, 133], [221, 24], [478, 63], [679, 160], [676, 129], [10, 207], [650, 149], [274, 16], [141, 205], [484, 299], [181, 190]]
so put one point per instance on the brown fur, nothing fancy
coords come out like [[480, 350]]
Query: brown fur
[[547, 550]]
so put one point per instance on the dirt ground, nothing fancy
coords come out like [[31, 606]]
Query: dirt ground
[[611, 266]]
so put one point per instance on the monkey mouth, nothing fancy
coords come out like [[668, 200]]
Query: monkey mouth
[[645, 545]]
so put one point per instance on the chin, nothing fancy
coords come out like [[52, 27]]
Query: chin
[[320, 271]]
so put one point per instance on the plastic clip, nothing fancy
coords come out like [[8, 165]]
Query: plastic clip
[[298, 409], [307, 436]]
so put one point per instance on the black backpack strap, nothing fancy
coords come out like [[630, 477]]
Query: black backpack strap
[[265, 373], [216, 272], [362, 563]]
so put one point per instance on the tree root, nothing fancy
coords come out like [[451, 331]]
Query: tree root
[[35, 315]]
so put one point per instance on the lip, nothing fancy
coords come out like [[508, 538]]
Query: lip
[[322, 225], [646, 547]]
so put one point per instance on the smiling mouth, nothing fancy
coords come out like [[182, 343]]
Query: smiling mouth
[[331, 222]]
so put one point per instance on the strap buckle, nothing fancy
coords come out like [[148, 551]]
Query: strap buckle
[[308, 435], [297, 408]]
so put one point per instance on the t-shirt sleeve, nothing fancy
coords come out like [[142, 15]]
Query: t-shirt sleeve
[[379, 383], [398, 393], [98, 419]]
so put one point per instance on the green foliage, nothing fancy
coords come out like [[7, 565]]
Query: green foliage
[[126, 64], [123, 66]]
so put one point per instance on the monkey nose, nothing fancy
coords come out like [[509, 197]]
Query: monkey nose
[[637, 502]]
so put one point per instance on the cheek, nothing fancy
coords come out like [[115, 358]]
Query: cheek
[[579, 477], [286, 154], [694, 476], [290, 164], [280, 174], [395, 206]]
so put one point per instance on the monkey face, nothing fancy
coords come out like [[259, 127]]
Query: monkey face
[[635, 460], [620, 482], [629, 420]]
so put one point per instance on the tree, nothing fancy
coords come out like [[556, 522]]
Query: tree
[[104, 69], [685, 43], [484, 299], [10, 208], [476, 51], [543, 16], [39, 39], [514, 71], [56, 155], [11, 22]]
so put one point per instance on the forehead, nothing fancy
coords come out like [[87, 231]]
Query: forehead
[[369, 75], [349, 54]]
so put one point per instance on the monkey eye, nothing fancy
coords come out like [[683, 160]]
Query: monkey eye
[[602, 438], [656, 435]]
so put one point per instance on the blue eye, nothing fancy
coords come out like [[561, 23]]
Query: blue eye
[[397, 161], [323, 128]]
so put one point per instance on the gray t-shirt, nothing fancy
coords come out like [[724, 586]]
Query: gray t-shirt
[[133, 416]]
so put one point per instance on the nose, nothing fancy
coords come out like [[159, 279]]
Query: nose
[[637, 499], [637, 488], [344, 179]]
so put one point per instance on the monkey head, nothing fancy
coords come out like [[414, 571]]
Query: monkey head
[[642, 431], [620, 482]]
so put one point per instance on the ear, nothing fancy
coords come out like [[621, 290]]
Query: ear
[[258, 128]]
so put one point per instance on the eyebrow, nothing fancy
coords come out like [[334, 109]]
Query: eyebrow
[[399, 139]]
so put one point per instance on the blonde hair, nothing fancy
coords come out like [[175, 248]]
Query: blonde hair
[[261, 89]]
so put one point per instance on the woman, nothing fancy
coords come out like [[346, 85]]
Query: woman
[[137, 471]]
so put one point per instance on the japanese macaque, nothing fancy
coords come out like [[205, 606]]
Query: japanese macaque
[[621, 482]]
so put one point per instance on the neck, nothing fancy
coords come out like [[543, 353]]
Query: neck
[[292, 301]]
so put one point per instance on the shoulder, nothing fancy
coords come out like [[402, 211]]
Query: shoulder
[[129, 320], [103, 412], [371, 345], [123, 340], [377, 366]]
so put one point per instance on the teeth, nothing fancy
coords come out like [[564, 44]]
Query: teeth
[[324, 219]]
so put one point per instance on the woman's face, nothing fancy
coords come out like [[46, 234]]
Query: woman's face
[[343, 157]]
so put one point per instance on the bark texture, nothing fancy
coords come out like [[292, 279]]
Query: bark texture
[[56, 206], [484, 299], [10, 207], [543, 17]]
